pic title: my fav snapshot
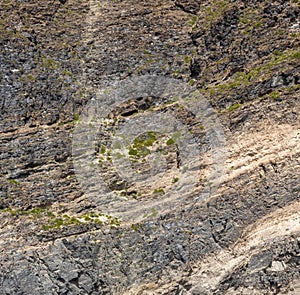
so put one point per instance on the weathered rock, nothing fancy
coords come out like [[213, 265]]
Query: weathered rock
[[243, 56]]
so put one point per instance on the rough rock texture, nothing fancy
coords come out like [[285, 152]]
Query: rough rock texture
[[242, 56]]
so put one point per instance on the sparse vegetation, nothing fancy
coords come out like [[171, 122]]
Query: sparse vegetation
[[141, 144], [212, 12], [244, 79], [35, 212], [52, 220]]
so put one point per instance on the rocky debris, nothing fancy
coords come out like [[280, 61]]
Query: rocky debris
[[243, 56]]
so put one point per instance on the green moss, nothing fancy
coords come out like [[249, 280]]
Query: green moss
[[251, 20], [278, 57], [66, 220], [56, 223], [292, 88], [86, 217], [93, 214]]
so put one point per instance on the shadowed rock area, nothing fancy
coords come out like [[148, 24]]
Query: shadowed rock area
[[243, 237]]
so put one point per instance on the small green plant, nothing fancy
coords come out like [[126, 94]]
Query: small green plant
[[176, 136], [117, 145], [296, 55], [146, 52], [27, 78], [274, 94], [192, 82], [49, 63], [135, 227], [233, 107], [133, 152], [67, 73], [38, 212], [153, 212], [214, 11], [114, 221], [193, 21], [170, 141], [11, 211], [13, 181], [175, 179], [187, 59], [188, 232], [76, 117], [102, 149], [159, 191]]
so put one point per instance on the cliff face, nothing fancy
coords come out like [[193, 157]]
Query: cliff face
[[60, 233]]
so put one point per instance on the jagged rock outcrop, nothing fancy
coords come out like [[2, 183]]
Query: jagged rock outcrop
[[243, 59]]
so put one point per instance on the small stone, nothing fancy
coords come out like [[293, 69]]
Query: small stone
[[260, 261], [277, 266]]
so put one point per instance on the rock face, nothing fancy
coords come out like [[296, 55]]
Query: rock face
[[242, 57]]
